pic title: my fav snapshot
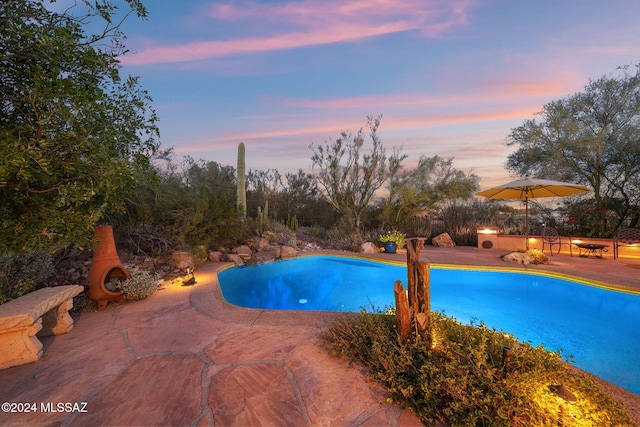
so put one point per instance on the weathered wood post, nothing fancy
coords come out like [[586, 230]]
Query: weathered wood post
[[412, 311], [403, 313], [423, 297]]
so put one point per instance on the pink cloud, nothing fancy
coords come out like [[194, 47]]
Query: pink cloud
[[296, 25], [487, 92]]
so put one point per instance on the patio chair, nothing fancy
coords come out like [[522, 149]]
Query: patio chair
[[551, 238], [626, 237]]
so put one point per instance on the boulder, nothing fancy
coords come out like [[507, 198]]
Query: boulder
[[311, 247], [181, 260], [443, 241], [263, 257], [243, 251], [261, 243], [234, 258], [271, 251], [518, 257], [369, 248], [215, 256], [288, 252]]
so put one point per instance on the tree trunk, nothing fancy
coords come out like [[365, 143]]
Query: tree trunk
[[403, 313], [418, 294]]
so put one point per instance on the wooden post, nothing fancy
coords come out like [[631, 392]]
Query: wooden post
[[423, 291], [414, 245], [413, 258], [415, 313], [403, 313], [422, 323]]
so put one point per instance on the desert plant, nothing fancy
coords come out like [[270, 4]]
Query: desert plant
[[22, 273], [463, 379], [262, 218], [270, 236], [292, 222], [241, 186], [284, 235], [141, 284], [343, 237]]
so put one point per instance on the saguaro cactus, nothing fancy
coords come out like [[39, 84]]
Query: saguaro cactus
[[241, 190]]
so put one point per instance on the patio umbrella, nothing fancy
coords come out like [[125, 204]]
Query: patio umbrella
[[532, 188]]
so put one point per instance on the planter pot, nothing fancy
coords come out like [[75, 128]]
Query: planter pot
[[390, 247], [105, 267]]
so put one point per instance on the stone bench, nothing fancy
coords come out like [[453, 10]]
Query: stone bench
[[43, 312]]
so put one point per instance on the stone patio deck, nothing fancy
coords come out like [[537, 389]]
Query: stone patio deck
[[186, 357]]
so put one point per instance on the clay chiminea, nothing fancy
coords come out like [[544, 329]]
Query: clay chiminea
[[105, 267]]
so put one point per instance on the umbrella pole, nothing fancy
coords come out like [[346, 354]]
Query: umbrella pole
[[526, 221]]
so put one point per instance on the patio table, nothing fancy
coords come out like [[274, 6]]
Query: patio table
[[590, 249]]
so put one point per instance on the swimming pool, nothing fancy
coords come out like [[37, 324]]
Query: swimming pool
[[597, 327]]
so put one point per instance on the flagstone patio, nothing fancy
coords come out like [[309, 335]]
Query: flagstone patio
[[186, 357]]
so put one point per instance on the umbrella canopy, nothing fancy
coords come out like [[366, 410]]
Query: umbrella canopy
[[532, 188]]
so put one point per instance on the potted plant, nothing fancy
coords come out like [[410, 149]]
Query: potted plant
[[392, 240]]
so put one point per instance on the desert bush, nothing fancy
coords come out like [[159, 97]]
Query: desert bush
[[283, 234], [458, 376], [343, 237], [314, 231], [22, 273], [141, 284]]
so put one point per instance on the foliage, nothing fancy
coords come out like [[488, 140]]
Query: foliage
[[270, 236], [461, 378], [343, 237], [141, 284], [589, 137], [585, 219], [263, 189], [283, 234], [189, 205], [74, 134], [292, 223], [300, 193], [433, 182], [394, 236], [348, 178], [22, 273]]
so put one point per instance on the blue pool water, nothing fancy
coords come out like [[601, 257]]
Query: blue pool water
[[598, 328]]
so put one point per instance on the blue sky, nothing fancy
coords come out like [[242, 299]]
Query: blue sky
[[449, 77]]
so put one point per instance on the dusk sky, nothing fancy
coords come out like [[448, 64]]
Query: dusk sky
[[449, 77]]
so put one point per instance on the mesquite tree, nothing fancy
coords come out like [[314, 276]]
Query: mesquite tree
[[74, 134], [591, 137], [349, 178]]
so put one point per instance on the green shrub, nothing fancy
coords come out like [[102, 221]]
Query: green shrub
[[141, 284], [460, 378], [22, 273]]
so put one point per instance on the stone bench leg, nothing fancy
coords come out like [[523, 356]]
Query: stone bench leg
[[20, 345], [57, 320]]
